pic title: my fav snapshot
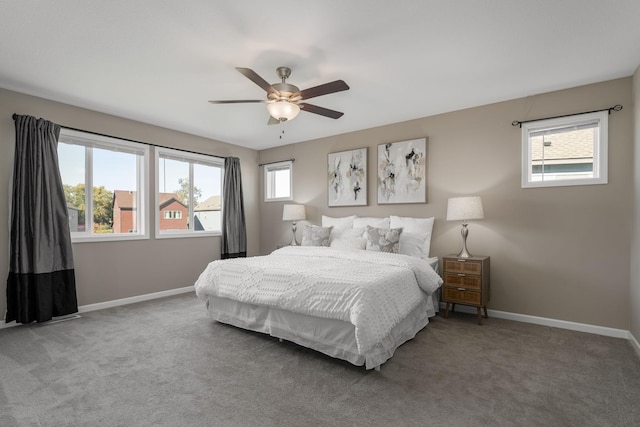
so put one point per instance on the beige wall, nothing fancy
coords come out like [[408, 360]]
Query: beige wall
[[108, 271], [635, 251], [561, 253]]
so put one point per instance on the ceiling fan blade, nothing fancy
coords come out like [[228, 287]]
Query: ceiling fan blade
[[273, 121], [309, 108], [240, 101], [325, 89], [254, 77]]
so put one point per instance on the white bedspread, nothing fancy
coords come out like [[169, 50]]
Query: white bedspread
[[372, 290]]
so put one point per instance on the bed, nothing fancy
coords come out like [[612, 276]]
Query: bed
[[358, 305]]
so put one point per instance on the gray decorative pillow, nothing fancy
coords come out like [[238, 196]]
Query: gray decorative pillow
[[383, 239], [312, 235]]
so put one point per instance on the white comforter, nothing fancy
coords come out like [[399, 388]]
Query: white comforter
[[371, 290]]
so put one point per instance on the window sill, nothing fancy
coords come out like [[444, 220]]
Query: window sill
[[187, 235], [282, 199], [108, 238], [564, 183]]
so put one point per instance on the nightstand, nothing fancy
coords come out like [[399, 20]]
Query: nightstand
[[466, 282]]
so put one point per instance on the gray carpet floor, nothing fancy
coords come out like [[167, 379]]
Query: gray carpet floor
[[164, 363]]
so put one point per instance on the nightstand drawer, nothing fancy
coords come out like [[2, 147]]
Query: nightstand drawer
[[462, 296], [462, 280], [463, 266]]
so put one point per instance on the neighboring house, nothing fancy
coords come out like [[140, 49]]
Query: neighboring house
[[173, 214], [123, 211], [564, 155], [207, 215], [72, 211]]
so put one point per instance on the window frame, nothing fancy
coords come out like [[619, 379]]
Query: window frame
[[600, 149], [90, 141], [192, 158], [272, 167]]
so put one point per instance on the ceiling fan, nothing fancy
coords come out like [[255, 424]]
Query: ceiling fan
[[283, 99]]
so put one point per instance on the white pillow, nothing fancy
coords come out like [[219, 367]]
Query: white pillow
[[415, 244], [371, 222], [338, 223], [412, 225], [416, 235], [348, 233], [342, 237], [349, 244]]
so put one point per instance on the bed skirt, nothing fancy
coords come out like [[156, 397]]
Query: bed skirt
[[335, 338]]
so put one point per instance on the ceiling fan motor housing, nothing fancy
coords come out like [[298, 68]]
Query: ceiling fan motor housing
[[285, 90]]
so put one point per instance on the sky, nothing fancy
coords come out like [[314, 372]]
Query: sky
[[117, 171]]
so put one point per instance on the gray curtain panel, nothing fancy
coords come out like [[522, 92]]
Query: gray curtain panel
[[41, 282], [234, 235]]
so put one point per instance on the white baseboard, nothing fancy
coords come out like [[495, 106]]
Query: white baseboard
[[118, 302], [634, 343], [8, 325], [554, 323], [133, 300]]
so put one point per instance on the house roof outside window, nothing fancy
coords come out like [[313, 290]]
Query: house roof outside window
[[211, 204], [126, 198]]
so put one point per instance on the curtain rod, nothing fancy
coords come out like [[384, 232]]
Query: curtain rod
[[142, 142], [132, 140], [279, 161], [616, 107]]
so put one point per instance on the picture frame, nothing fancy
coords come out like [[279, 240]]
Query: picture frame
[[401, 169], [347, 178]]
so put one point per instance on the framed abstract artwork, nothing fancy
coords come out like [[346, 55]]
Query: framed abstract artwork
[[347, 178], [402, 172]]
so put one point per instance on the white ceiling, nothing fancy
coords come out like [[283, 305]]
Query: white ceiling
[[159, 62]]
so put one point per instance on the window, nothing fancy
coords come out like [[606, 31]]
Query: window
[[277, 181], [565, 151], [172, 214], [188, 194], [115, 170]]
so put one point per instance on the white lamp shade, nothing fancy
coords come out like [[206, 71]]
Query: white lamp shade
[[283, 110], [464, 208], [293, 213]]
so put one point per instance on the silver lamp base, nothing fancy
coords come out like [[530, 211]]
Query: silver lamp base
[[464, 253], [293, 229]]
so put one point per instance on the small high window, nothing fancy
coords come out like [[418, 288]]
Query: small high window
[[277, 181], [565, 151]]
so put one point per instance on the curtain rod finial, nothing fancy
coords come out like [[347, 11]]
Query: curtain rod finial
[[617, 107]]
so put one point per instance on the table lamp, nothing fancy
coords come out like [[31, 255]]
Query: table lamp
[[464, 208], [293, 213]]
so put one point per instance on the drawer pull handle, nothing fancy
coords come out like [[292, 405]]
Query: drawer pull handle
[[461, 289], [461, 275], [461, 260]]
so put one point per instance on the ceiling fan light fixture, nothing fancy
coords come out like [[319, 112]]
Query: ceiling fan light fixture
[[283, 110]]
